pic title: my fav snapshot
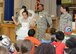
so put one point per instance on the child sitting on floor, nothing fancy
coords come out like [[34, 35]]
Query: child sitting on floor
[[59, 45], [31, 37]]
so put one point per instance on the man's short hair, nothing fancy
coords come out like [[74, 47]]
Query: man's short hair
[[41, 5]]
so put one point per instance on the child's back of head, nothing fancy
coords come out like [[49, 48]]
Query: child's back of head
[[59, 35], [24, 46], [31, 32], [45, 48], [73, 51], [71, 43]]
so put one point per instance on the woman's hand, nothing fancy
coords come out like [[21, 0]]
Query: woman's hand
[[16, 23], [13, 17]]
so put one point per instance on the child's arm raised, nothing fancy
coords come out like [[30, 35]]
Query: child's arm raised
[[16, 23]]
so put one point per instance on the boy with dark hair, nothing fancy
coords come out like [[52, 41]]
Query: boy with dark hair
[[31, 32], [59, 44], [60, 36], [31, 37]]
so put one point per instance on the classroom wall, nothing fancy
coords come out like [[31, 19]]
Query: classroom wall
[[50, 5]]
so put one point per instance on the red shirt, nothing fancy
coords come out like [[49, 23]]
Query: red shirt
[[59, 47]]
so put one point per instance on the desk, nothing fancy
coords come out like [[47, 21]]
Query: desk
[[9, 30]]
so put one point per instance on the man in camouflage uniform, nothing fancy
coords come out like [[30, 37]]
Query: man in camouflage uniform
[[42, 22]]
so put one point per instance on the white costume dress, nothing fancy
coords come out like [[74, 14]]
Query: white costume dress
[[22, 32]]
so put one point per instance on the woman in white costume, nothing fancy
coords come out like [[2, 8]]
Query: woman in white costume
[[25, 22]]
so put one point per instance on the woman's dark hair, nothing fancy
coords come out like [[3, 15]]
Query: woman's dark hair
[[59, 35], [65, 7], [25, 11], [24, 7], [45, 48]]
